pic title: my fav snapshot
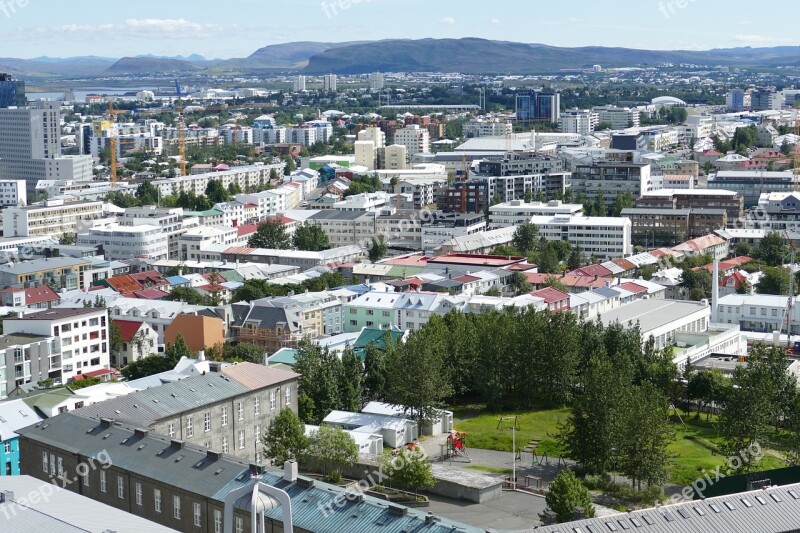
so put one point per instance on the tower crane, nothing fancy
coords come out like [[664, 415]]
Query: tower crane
[[181, 129], [112, 141], [796, 152]]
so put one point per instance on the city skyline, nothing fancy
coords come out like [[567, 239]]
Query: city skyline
[[35, 28]]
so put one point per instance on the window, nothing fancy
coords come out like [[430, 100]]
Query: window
[[206, 422], [176, 507], [44, 462], [60, 468], [288, 395], [257, 405], [217, 521], [138, 494], [102, 481], [171, 430], [257, 432], [241, 439], [157, 500], [52, 465], [225, 416], [224, 444], [241, 411], [196, 513], [189, 428], [85, 477], [239, 524], [7, 446], [120, 487], [272, 400]]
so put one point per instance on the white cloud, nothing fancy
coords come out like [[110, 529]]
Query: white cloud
[[495, 21], [131, 29], [760, 39], [449, 21]]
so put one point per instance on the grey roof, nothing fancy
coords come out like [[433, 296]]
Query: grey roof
[[651, 314], [15, 414], [646, 211], [20, 339], [773, 510], [146, 407], [58, 313], [214, 476], [38, 265], [336, 214], [64, 511], [267, 316]]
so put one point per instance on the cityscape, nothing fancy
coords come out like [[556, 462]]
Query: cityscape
[[438, 268]]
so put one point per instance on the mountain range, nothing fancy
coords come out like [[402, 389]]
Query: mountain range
[[468, 55]]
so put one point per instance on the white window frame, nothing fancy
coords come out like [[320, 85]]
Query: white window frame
[[225, 415], [257, 405], [196, 513], [138, 494], [225, 445], [272, 400], [288, 395], [120, 487], [171, 430], [45, 463], [103, 481], [206, 422], [189, 428], [241, 411], [241, 439], [239, 524], [176, 507], [217, 521], [157, 500]]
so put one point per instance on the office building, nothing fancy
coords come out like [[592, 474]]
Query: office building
[[539, 106], [126, 242], [329, 83], [618, 118], [518, 212], [52, 219], [734, 100], [731, 202], [610, 179], [604, 237], [83, 334], [12, 92], [487, 128], [751, 184], [763, 99], [657, 227]]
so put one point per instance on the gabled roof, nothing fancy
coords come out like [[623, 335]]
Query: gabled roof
[[550, 295], [37, 295], [592, 270], [124, 284], [151, 277], [151, 294], [128, 328], [633, 287], [14, 415]]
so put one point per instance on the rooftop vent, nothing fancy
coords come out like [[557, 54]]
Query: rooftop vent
[[398, 510]]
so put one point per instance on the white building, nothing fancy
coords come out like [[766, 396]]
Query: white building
[[395, 157], [605, 237], [487, 128], [83, 333], [661, 319], [619, 118], [366, 154], [329, 83], [13, 193], [191, 243], [376, 81], [171, 221], [416, 140], [578, 121], [126, 242], [299, 84], [518, 212], [52, 219]]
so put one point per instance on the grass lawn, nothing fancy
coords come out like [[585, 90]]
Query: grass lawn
[[491, 470], [694, 447], [540, 425]]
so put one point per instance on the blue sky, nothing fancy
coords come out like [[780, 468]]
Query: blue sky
[[236, 28]]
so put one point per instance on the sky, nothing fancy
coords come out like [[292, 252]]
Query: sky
[[236, 28]]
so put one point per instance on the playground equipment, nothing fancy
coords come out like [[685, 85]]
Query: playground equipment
[[455, 446], [508, 422]]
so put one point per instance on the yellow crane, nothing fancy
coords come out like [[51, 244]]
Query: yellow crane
[[112, 141], [181, 129], [796, 151]]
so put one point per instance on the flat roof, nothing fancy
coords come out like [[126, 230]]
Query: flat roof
[[477, 260], [652, 314]]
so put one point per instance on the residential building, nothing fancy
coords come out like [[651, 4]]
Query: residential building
[[618, 118], [13, 193], [83, 334], [295, 258], [14, 415], [654, 227], [487, 128], [371, 310], [395, 157], [26, 359], [661, 319], [299, 84], [53, 218], [763, 313], [466, 197], [376, 81], [172, 222], [519, 212], [192, 243], [30, 298], [445, 227], [611, 179], [730, 201], [55, 272], [345, 228], [777, 211], [198, 331], [415, 139], [578, 121], [366, 154], [203, 487], [266, 325], [329, 83], [138, 340], [603, 237], [734, 100], [764, 99]]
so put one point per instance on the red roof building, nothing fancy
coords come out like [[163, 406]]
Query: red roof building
[[633, 288], [150, 279], [593, 271], [42, 297], [123, 284], [555, 299], [247, 229]]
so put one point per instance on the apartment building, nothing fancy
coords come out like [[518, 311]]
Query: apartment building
[[192, 243], [13, 193], [56, 272], [245, 177], [445, 227], [171, 221], [345, 228], [654, 227], [619, 118], [487, 128], [604, 237], [27, 358], [777, 211], [52, 219], [83, 334], [751, 184], [268, 326], [417, 140], [730, 201], [578, 121]]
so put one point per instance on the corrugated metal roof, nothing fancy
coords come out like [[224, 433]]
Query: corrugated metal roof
[[255, 376]]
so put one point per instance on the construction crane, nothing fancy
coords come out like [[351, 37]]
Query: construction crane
[[181, 129], [796, 151], [112, 141], [790, 302]]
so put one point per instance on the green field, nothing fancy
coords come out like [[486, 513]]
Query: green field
[[694, 447]]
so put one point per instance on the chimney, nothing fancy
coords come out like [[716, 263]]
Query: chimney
[[201, 355], [715, 292], [290, 471], [6, 496], [140, 433], [106, 423], [176, 443]]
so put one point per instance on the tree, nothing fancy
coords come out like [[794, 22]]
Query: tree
[[697, 284], [744, 288], [577, 258], [743, 249], [285, 439], [409, 469], [524, 238], [82, 383], [178, 349], [519, 283], [147, 194], [115, 338], [565, 493], [187, 295], [378, 249], [271, 234], [291, 165], [67, 238], [350, 381], [243, 351], [148, 366], [622, 201], [320, 372], [374, 373], [311, 238], [705, 387], [547, 260], [774, 281], [773, 249], [646, 435], [216, 192], [332, 449], [786, 148]]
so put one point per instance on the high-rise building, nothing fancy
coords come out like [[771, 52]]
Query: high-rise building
[[766, 100], [12, 91], [539, 106], [329, 83], [735, 100], [299, 84], [416, 140], [376, 81]]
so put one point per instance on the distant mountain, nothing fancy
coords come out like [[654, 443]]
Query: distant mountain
[[483, 56], [150, 65], [286, 56], [56, 67], [194, 58]]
